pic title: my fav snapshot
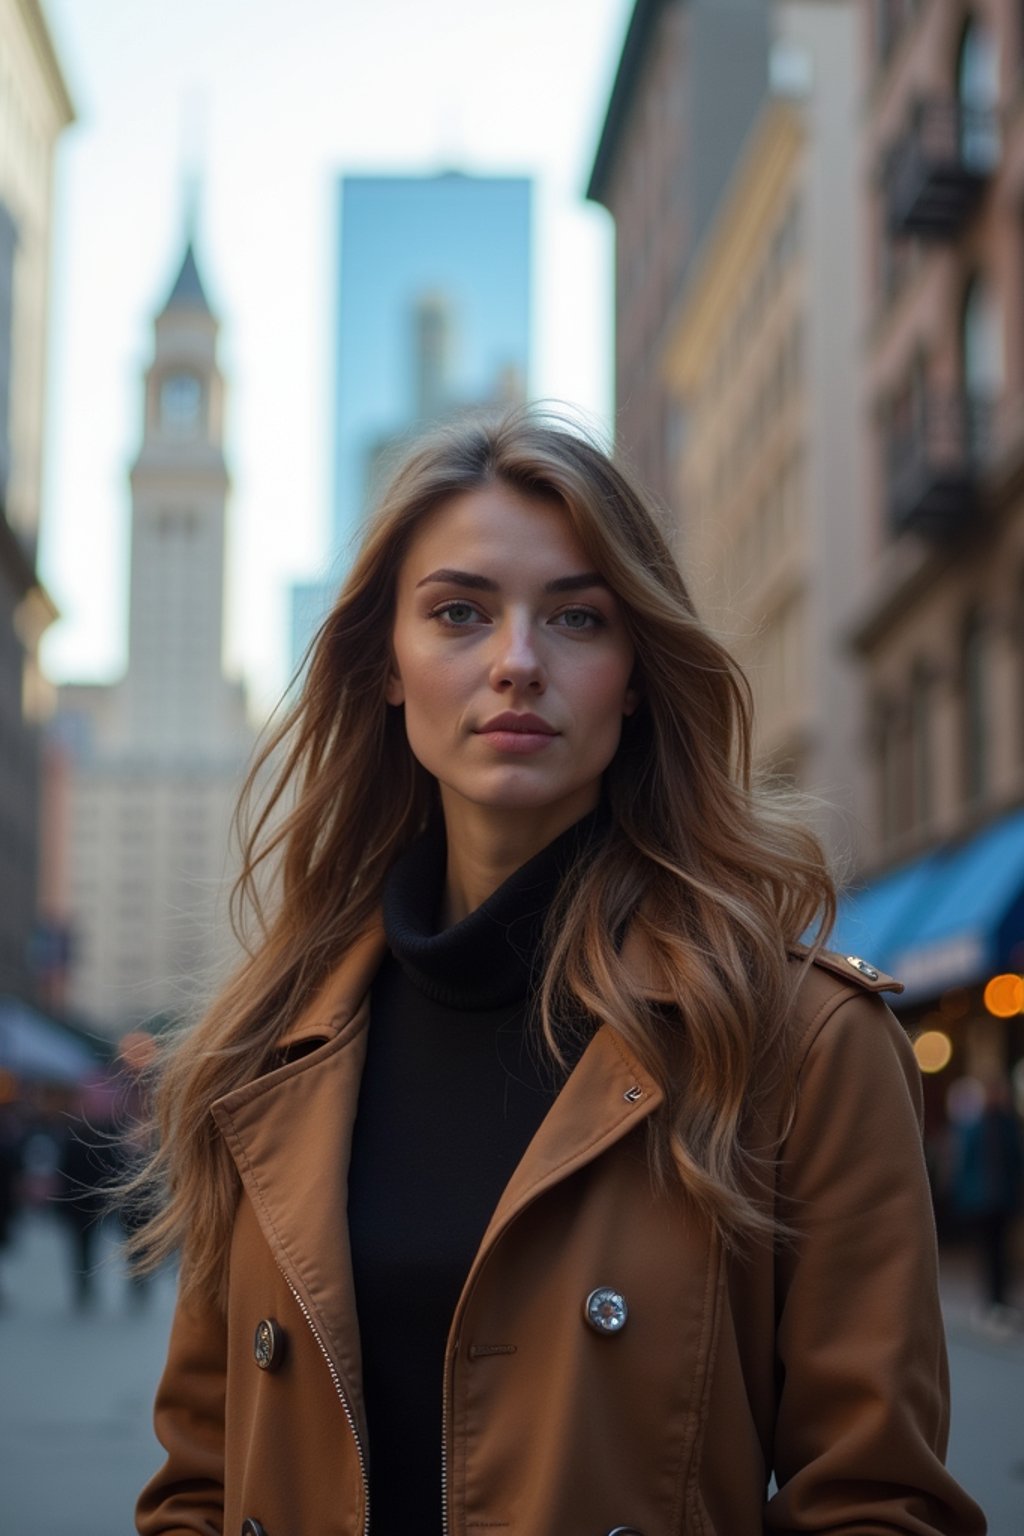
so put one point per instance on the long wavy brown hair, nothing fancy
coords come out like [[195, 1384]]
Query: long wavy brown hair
[[708, 873]]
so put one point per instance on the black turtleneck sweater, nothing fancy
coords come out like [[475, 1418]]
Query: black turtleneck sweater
[[456, 1082]]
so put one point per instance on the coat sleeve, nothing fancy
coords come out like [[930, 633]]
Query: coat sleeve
[[186, 1497], [863, 1389]]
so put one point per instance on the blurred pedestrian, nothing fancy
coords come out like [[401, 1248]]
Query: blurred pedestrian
[[88, 1164], [987, 1189], [10, 1180], [532, 1174]]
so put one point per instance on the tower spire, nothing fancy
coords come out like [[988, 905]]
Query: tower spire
[[187, 290]]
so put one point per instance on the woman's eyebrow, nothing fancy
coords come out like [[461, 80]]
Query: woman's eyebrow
[[460, 579], [445, 576]]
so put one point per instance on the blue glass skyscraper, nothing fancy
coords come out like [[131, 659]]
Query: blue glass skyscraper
[[434, 309], [433, 317]]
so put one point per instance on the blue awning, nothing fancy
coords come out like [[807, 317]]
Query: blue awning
[[874, 920], [949, 918], [35, 1049]]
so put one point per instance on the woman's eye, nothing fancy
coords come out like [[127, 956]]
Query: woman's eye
[[579, 618], [456, 613]]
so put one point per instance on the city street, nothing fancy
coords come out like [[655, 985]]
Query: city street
[[75, 1400], [76, 1440]]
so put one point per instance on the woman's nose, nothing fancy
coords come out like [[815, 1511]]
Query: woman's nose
[[517, 662]]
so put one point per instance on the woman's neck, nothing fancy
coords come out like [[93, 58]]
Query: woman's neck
[[487, 844]]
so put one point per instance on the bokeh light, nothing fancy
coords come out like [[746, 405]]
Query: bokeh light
[[1004, 995], [934, 1050]]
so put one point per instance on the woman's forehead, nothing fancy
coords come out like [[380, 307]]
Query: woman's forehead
[[497, 525]]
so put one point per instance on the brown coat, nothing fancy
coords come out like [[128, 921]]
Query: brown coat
[[823, 1362]]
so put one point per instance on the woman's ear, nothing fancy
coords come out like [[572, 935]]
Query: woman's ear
[[394, 690], [632, 698]]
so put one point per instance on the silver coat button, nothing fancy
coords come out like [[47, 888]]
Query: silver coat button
[[268, 1344], [606, 1312], [862, 966], [625, 1530], [252, 1528]]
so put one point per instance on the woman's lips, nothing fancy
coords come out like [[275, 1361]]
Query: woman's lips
[[518, 741], [518, 734]]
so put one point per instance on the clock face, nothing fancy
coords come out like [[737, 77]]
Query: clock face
[[181, 399]]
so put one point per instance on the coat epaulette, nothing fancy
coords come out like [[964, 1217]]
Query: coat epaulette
[[851, 968]]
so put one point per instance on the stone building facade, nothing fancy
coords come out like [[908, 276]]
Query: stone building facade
[[145, 772], [762, 362]]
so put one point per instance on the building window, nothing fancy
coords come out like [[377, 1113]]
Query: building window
[[977, 89], [984, 360], [181, 404], [974, 706], [983, 357], [174, 521]]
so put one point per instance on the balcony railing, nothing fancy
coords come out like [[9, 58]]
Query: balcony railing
[[935, 174], [934, 466]]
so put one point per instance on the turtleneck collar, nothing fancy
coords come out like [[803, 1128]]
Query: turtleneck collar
[[491, 957]]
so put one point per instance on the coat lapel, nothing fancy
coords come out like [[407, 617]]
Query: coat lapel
[[290, 1135], [606, 1096]]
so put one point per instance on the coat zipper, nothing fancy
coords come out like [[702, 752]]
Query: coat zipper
[[444, 1456], [350, 1416], [444, 1442]]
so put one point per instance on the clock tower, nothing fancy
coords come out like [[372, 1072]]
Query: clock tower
[[175, 693], [151, 765]]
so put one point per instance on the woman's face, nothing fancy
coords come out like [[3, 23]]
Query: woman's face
[[511, 658]]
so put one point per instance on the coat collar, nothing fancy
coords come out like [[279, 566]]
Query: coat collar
[[342, 994]]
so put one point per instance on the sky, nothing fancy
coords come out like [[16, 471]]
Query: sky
[[272, 101]]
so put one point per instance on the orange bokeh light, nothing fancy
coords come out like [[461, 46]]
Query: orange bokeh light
[[1004, 995]]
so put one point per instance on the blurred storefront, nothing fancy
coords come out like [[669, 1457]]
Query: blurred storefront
[[950, 925], [35, 1049]]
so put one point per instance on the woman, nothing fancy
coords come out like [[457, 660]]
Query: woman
[[530, 1176]]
